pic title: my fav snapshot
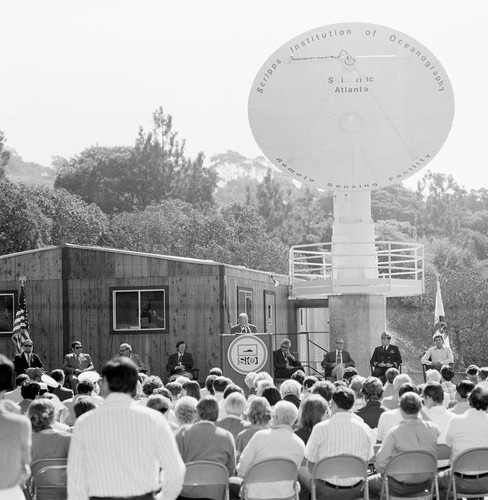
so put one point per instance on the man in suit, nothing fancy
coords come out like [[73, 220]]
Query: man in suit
[[61, 392], [243, 325], [125, 350], [76, 362], [335, 362], [29, 363], [284, 363], [385, 356], [180, 363]]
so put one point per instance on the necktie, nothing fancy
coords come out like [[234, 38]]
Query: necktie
[[179, 358], [339, 357], [244, 329], [29, 359]]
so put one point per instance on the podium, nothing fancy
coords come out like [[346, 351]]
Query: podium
[[245, 353]]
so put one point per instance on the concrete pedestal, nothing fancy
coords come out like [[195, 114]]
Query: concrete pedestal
[[359, 320]]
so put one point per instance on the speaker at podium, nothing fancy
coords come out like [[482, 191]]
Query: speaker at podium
[[245, 353]]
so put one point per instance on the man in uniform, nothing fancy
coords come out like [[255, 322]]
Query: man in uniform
[[385, 356]]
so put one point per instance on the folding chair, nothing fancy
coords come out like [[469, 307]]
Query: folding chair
[[407, 464], [473, 465], [340, 467], [50, 483], [443, 454], [36, 466], [271, 470], [207, 473]]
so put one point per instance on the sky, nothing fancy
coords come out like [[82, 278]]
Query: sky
[[81, 73]]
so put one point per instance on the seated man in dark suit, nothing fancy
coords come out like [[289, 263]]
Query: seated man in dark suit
[[335, 362], [125, 350], [180, 363], [61, 392], [243, 325], [285, 364], [385, 356], [76, 362], [29, 363]]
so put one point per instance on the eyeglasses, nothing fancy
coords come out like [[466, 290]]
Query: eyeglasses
[[27, 345], [79, 347], [123, 350]]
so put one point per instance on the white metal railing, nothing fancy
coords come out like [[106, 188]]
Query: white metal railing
[[382, 264]]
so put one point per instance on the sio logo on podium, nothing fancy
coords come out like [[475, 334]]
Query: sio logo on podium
[[247, 353]]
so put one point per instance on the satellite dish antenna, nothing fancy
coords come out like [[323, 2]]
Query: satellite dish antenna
[[351, 107]]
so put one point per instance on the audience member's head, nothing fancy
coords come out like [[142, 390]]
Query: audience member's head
[[20, 379], [464, 388], [483, 373], [324, 388], [410, 403], [231, 388], [192, 388], [249, 379], [309, 382], [208, 409], [290, 387], [151, 384], [357, 385], [407, 387], [472, 373], [433, 394], [261, 376], [299, 376], [478, 399], [447, 372], [432, 376], [41, 414], [209, 383], [215, 371], [272, 394], [343, 398], [400, 379], [186, 410], [182, 379], [163, 391], [120, 374], [85, 387], [58, 376], [372, 389], [285, 413], [30, 389], [6, 373], [259, 411], [159, 403], [349, 373], [83, 404], [235, 404], [391, 374], [220, 383], [312, 410], [339, 383], [175, 389], [262, 385]]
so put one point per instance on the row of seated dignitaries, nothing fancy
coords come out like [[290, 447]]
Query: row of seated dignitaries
[[120, 441]]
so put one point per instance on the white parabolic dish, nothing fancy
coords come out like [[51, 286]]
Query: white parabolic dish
[[351, 107]]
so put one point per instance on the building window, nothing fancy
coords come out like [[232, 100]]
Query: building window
[[7, 312], [244, 302], [140, 310]]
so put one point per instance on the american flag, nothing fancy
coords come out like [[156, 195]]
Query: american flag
[[21, 323], [439, 316]]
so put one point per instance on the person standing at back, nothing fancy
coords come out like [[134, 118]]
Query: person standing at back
[[123, 449]]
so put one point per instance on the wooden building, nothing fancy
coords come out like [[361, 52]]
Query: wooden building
[[104, 297]]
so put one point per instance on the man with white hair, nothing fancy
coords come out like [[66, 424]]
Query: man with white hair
[[392, 402], [243, 325], [278, 441], [125, 350], [285, 364], [290, 390], [235, 404], [435, 376]]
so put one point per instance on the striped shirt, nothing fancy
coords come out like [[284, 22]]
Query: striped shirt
[[343, 433], [118, 450]]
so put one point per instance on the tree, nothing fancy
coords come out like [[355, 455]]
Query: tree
[[4, 155]]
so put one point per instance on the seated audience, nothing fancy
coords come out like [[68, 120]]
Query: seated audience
[[215, 371], [85, 388], [447, 374], [249, 381], [235, 404], [15, 439], [324, 388], [308, 383], [82, 405], [349, 374], [203, 440], [277, 441], [191, 388], [272, 395], [472, 373], [285, 364], [259, 416], [372, 391], [186, 411], [463, 390], [434, 408], [299, 376], [357, 386], [435, 376], [483, 376], [60, 391], [342, 433], [46, 441], [208, 389], [291, 390], [313, 410], [262, 385], [29, 391], [392, 402], [390, 375], [412, 434], [175, 388], [15, 394]]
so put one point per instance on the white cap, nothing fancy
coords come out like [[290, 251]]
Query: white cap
[[90, 376]]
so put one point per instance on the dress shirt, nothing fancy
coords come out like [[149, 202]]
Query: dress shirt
[[461, 407], [387, 421], [443, 356], [50, 443], [278, 441], [469, 430], [118, 450], [441, 416], [342, 433], [14, 395], [409, 435], [450, 388]]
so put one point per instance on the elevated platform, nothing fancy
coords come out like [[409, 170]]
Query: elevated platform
[[317, 272]]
